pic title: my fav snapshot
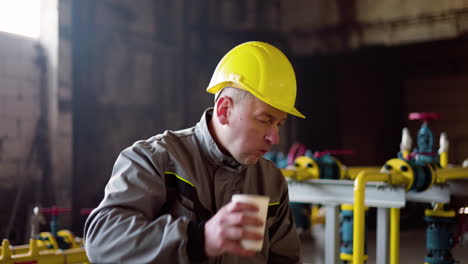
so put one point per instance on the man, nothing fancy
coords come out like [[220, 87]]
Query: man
[[168, 200]]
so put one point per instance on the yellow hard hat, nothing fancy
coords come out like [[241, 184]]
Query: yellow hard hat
[[261, 69]]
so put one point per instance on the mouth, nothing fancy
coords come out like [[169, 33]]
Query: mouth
[[263, 152]]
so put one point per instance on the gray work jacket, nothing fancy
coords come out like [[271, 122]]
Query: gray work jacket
[[164, 189]]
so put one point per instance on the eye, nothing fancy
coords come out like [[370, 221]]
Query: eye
[[264, 120]]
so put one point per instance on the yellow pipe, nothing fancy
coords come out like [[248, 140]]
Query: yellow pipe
[[76, 255], [301, 174], [51, 257], [394, 235], [443, 150], [15, 250], [359, 221], [24, 249], [33, 250], [395, 178], [5, 255], [443, 159], [352, 172], [439, 211], [447, 174]]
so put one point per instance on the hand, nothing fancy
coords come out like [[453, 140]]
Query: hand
[[224, 231]]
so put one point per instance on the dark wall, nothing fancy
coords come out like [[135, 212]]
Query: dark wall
[[349, 99], [128, 85], [317, 99], [360, 100], [140, 68]]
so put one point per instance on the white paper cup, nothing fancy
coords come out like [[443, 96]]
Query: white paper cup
[[262, 203]]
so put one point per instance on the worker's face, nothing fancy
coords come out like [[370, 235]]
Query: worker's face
[[253, 128]]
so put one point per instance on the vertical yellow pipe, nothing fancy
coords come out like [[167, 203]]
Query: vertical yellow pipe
[[359, 220], [443, 159], [443, 150], [5, 255], [359, 211], [33, 250], [394, 235]]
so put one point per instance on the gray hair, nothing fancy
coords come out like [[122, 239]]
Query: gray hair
[[237, 95]]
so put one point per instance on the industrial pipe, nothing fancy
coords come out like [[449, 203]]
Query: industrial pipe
[[68, 256], [447, 174], [359, 210], [394, 235]]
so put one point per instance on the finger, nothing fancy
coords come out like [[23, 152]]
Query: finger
[[241, 219], [242, 207], [233, 233], [252, 235], [234, 247], [239, 233]]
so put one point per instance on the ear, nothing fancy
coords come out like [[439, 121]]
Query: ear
[[223, 109]]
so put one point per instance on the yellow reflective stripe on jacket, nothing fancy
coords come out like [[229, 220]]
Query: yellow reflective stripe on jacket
[[179, 186], [178, 177], [272, 207]]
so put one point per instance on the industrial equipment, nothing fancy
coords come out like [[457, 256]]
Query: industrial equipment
[[418, 175]]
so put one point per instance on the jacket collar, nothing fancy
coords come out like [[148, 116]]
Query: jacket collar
[[210, 147]]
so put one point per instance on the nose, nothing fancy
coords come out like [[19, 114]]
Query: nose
[[272, 137]]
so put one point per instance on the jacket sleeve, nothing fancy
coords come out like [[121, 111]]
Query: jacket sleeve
[[285, 245], [128, 227]]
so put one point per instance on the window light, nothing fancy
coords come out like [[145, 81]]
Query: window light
[[21, 17]]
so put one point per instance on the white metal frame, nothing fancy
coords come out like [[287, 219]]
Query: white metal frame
[[333, 193]]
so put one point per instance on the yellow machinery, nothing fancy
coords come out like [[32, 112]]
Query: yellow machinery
[[398, 175], [417, 171], [321, 166], [34, 255], [46, 247], [48, 242]]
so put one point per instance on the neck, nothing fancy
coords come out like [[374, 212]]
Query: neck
[[215, 134]]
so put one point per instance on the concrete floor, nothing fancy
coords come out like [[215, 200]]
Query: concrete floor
[[412, 247]]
